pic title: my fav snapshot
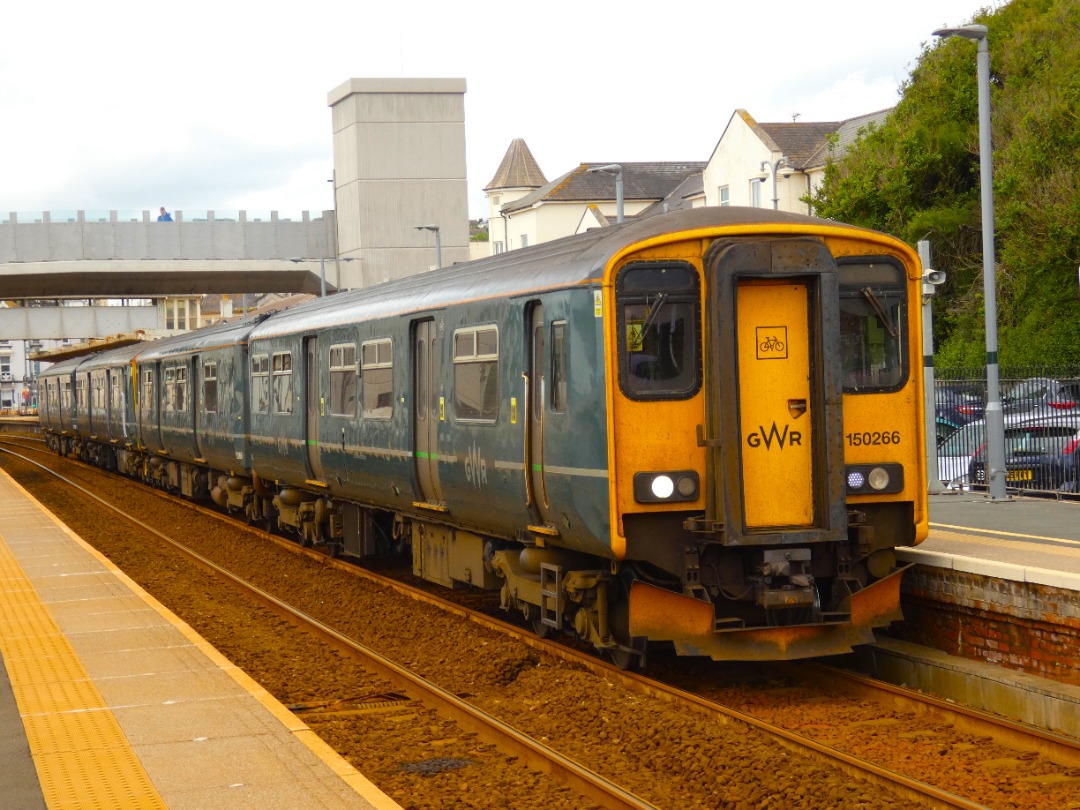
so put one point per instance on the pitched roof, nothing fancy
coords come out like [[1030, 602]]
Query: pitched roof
[[641, 181], [518, 169], [808, 145]]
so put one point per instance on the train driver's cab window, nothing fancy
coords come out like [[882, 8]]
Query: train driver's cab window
[[260, 383], [377, 377], [282, 376], [343, 380], [209, 397], [658, 321], [873, 324], [476, 374]]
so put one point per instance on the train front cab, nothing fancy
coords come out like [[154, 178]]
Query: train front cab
[[755, 521]]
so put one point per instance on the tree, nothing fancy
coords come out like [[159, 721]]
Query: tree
[[917, 176]]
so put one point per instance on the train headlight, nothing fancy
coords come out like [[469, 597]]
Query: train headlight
[[878, 478], [665, 487], [863, 479], [662, 486]]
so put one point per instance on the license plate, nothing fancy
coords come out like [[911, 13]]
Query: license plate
[[1019, 475]]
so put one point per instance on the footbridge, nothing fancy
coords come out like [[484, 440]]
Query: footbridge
[[130, 255]]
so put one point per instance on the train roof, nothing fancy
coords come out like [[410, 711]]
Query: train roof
[[558, 264], [228, 333]]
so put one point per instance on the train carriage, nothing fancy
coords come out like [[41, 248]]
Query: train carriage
[[58, 414], [192, 403]]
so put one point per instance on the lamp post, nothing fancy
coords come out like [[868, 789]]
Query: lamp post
[[774, 167], [438, 242], [615, 169], [994, 415], [322, 270]]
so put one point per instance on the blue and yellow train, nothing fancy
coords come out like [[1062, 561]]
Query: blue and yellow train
[[703, 427]]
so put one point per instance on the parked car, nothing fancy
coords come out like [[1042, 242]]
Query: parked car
[[955, 453], [957, 404], [1040, 454], [944, 429], [1040, 392]]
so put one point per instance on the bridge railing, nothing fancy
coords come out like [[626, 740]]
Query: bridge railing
[[137, 235]]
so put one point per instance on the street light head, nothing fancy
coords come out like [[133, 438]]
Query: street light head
[[610, 168], [972, 31], [427, 227]]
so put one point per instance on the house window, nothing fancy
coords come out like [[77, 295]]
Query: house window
[[725, 195], [260, 383], [476, 373], [755, 193], [524, 240], [282, 374], [209, 387], [499, 248], [343, 380], [377, 374]]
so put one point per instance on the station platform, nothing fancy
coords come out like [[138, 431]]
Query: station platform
[[109, 700], [1021, 539]]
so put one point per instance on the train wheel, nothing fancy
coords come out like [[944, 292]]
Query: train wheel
[[629, 658]]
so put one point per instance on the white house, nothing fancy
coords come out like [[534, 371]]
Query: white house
[[776, 165]]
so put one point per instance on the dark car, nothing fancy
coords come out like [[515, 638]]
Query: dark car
[[957, 404], [1036, 393], [1040, 454]]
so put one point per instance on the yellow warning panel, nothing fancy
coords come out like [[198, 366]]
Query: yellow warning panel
[[774, 404], [82, 757]]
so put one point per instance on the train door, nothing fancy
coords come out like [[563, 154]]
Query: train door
[[777, 474], [427, 410], [315, 400], [536, 382]]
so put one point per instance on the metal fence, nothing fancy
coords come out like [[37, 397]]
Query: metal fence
[[1041, 407]]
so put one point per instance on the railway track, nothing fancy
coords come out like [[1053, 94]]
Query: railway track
[[705, 712]]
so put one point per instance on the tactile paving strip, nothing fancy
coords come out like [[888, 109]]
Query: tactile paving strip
[[82, 757]]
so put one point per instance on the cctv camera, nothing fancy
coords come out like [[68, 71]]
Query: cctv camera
[[934, 277]]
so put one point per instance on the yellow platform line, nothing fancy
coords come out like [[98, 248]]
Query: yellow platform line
[[82, 757]]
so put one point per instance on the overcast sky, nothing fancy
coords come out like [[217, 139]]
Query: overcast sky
[[221, 105]]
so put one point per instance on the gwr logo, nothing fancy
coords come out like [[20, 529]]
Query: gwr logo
[[774, 434]]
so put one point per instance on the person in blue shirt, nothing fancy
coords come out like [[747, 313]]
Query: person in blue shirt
[[164, 216]]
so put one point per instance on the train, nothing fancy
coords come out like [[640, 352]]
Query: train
[[702, 429]]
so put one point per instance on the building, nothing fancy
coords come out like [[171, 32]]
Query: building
[[523, 213], [777, 165]]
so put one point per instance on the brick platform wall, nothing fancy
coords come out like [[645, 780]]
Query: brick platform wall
[[1033, 628]]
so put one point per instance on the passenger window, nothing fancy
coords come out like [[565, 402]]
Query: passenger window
[[658, 319], [476, 374], [181, 388], [282, 376], [377, 375], [343, 380], [210, 387], [873, 324], [260, 383], [560, 381]]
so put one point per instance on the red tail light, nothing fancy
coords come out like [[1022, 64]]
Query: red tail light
[[1062, 405], [1072, 446], [968, 410]]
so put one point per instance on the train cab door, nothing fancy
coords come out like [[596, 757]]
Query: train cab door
[[427, 410], [315, 400], [536, 383], [777, 475]]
